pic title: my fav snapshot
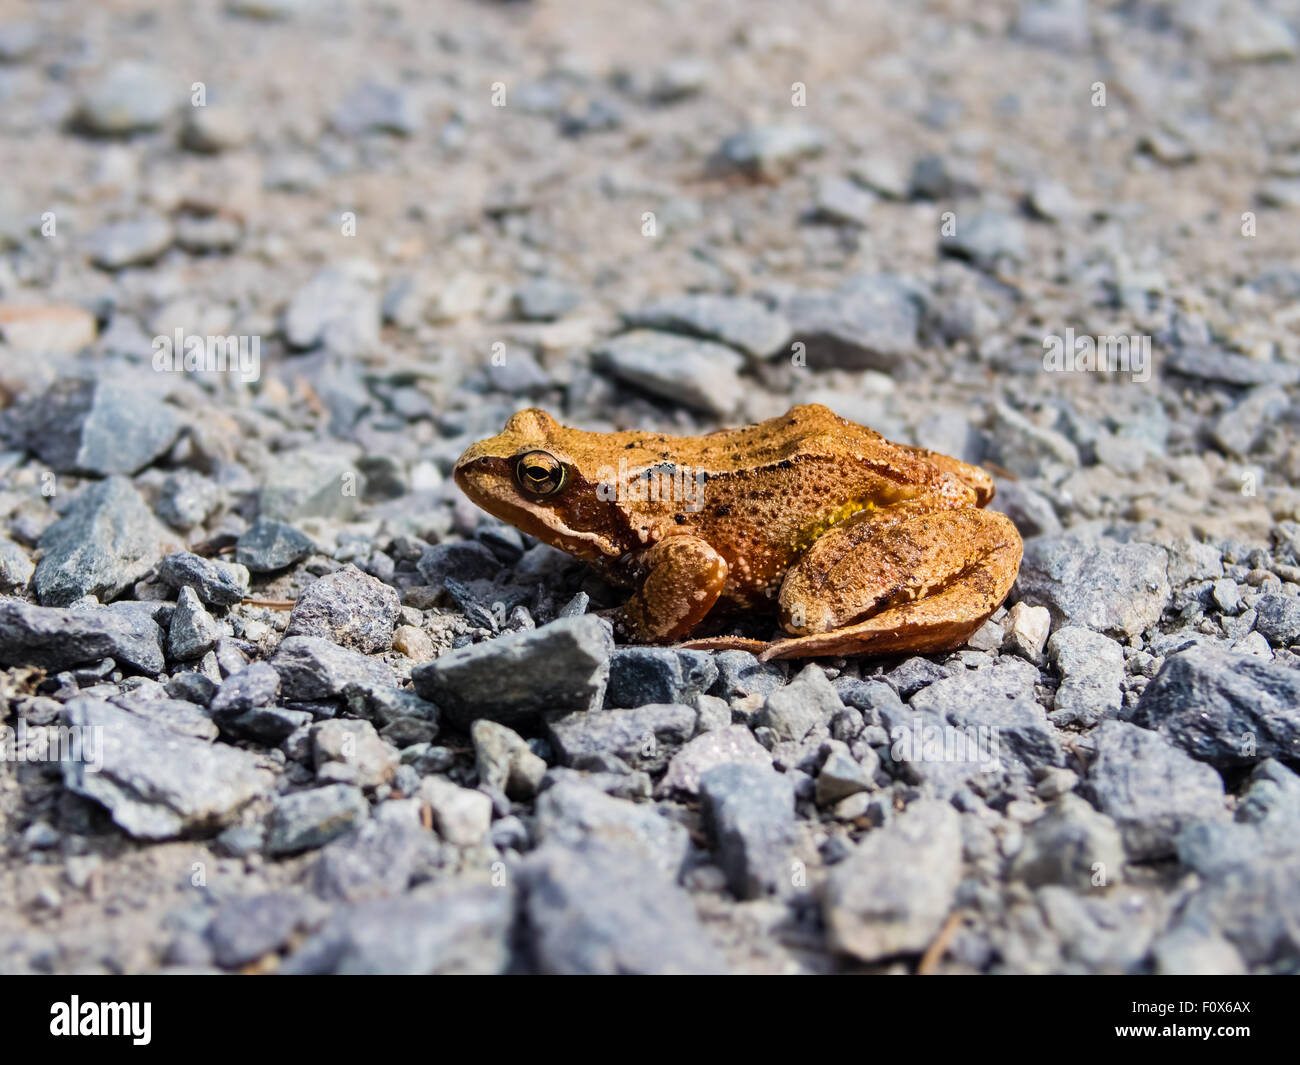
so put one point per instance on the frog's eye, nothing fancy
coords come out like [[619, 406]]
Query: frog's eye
[[539, 473]]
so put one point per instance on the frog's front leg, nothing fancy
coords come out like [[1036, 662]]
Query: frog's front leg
[[680, 579], [908, 579]]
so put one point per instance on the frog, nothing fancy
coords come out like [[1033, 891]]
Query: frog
[[859, 545]]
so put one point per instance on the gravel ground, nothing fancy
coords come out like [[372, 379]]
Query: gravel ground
[[338, 720]]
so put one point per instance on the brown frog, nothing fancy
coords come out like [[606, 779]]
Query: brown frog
[[868, 547]]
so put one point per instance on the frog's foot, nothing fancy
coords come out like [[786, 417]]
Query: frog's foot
[[924, 583], [680, 580]]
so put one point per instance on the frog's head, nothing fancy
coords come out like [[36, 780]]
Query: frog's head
[[542, 478]]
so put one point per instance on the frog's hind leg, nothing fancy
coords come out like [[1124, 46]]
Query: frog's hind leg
[[896, 583]]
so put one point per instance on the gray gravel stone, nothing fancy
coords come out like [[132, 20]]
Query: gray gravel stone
[[58, 639], [127, 97], [311, 668], [16, 568], [348, 607], [1100, 584], [193, 632], [338, 309], [461, 815], [99, 427], [517, 677], [463, 559], [731, 745], [644, 737], [1072, 845], [155, 782], [742, 323], [315, 482], [1223, 708], [869, 323], [642, 675], [544, 300], [450, 930], [374, 107], [749, 811], [1277, 618], [805, 704], [891, 895], [215, 582], [696, 373], [186, 499], [376, 861], [1214, 364], [988, 239], [741, 674], [105, 542], [249, 928], [255, 686], [571, 812], [1092, 669], [769, 152], [306, 820], [133, 242], [356, 746], [1151, 788], [594, 911], [270, 545], [506, 764]]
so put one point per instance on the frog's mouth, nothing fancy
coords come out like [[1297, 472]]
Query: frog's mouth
[[481, 476]]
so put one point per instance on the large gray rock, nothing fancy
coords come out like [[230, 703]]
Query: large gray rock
[[1151, 788], [127, 97], [106, 542], [311, 668], [246, 929], [215, 582], [642, 675], [1277, 618], [644, 737], [572, 811], [695, 373], [749, 811], [155, 782], [1223, 708], [452, 930], [348, 607], [744, 324], [57, 639], [1092, 669], [731, 745], [306, 820], [771, 151], [891, 895], [270, 545], [805, 704], [99, 426], [563, 665], [869, 323], [1072, 845], [1110, 587], [591, 910]]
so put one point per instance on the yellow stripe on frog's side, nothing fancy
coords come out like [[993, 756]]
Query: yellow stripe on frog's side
[[827, 521]]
